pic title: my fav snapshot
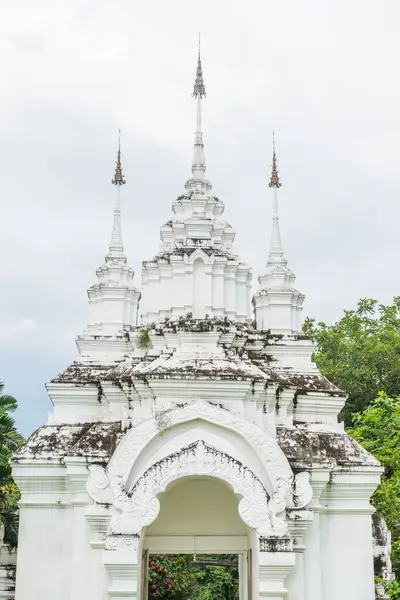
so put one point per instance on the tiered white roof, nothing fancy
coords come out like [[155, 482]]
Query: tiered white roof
[[195, 270]]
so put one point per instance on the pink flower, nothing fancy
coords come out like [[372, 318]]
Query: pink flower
[[154, 568], [168, 580]]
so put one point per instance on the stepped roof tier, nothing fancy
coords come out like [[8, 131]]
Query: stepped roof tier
[[196, 270]]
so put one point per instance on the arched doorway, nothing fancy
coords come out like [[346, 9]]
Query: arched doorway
[[199, 517], [198, 442]]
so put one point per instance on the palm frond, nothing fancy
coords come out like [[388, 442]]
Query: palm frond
[[10, 520], [7, 402]]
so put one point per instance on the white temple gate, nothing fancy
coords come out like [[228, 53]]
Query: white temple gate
[[177, 393]]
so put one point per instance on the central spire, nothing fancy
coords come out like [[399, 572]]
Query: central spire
[[199, 92], [276, 251], [116, 243]]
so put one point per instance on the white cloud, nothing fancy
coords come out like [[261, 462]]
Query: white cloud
[[17, 329], [322, 74]]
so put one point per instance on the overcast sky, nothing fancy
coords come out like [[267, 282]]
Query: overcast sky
[[324, 75]]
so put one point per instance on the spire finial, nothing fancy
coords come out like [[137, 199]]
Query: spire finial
[[119, 178], [274, 181], [199, 92], [116, 244], [199, 89]]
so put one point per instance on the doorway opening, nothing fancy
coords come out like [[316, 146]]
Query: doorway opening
[[198, 531], [193, 576]]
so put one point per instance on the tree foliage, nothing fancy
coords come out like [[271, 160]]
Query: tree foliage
[[360, 353], [393, 589], [170, 576], [216, 583], [377, 429], [10, 441], [179, 577]]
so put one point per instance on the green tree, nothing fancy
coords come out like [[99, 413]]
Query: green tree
[[180, 577], [360, 353], [171, 576], [216, 583], [10, 441], [377, 429]]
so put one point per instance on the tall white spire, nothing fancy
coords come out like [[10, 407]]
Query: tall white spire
[[113, 300], [116, 243], [277, 304], [276, 251], [199, 92]]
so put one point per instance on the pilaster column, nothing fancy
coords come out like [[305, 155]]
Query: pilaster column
[[229, 291], [121, 560], [275, 562], [285, 408], [241, 300], [249, 307], [312, 552], [269, 416], [298, 522], [346, 531], [179, 268], [208, 292], [218, 289]]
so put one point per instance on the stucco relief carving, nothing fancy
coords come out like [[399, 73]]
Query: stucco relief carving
[[264, 445], [122, 542], [141, 506], [260, 508], [98, 485], [301, 492]]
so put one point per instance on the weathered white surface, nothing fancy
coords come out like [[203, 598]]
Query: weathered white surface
[[8, 559], [204, 440]]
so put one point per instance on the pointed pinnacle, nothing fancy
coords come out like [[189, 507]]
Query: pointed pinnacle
[[274, 180], [199, 89], [119, 178]]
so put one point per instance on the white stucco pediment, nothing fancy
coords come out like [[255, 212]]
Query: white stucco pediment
[[200, 254], [264, 446], [256, 468]]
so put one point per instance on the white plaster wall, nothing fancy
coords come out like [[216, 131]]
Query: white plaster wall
[[312, 560], [346, 555], [202, 287], [295, 580], [198, 506], [90, 579], [44, 554]]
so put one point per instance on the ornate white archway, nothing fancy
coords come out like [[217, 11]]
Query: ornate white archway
[[264, 446], [141, 507], [137, 507]]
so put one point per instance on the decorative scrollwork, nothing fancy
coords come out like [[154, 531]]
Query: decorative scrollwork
[[262, 503], [300, 493]]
